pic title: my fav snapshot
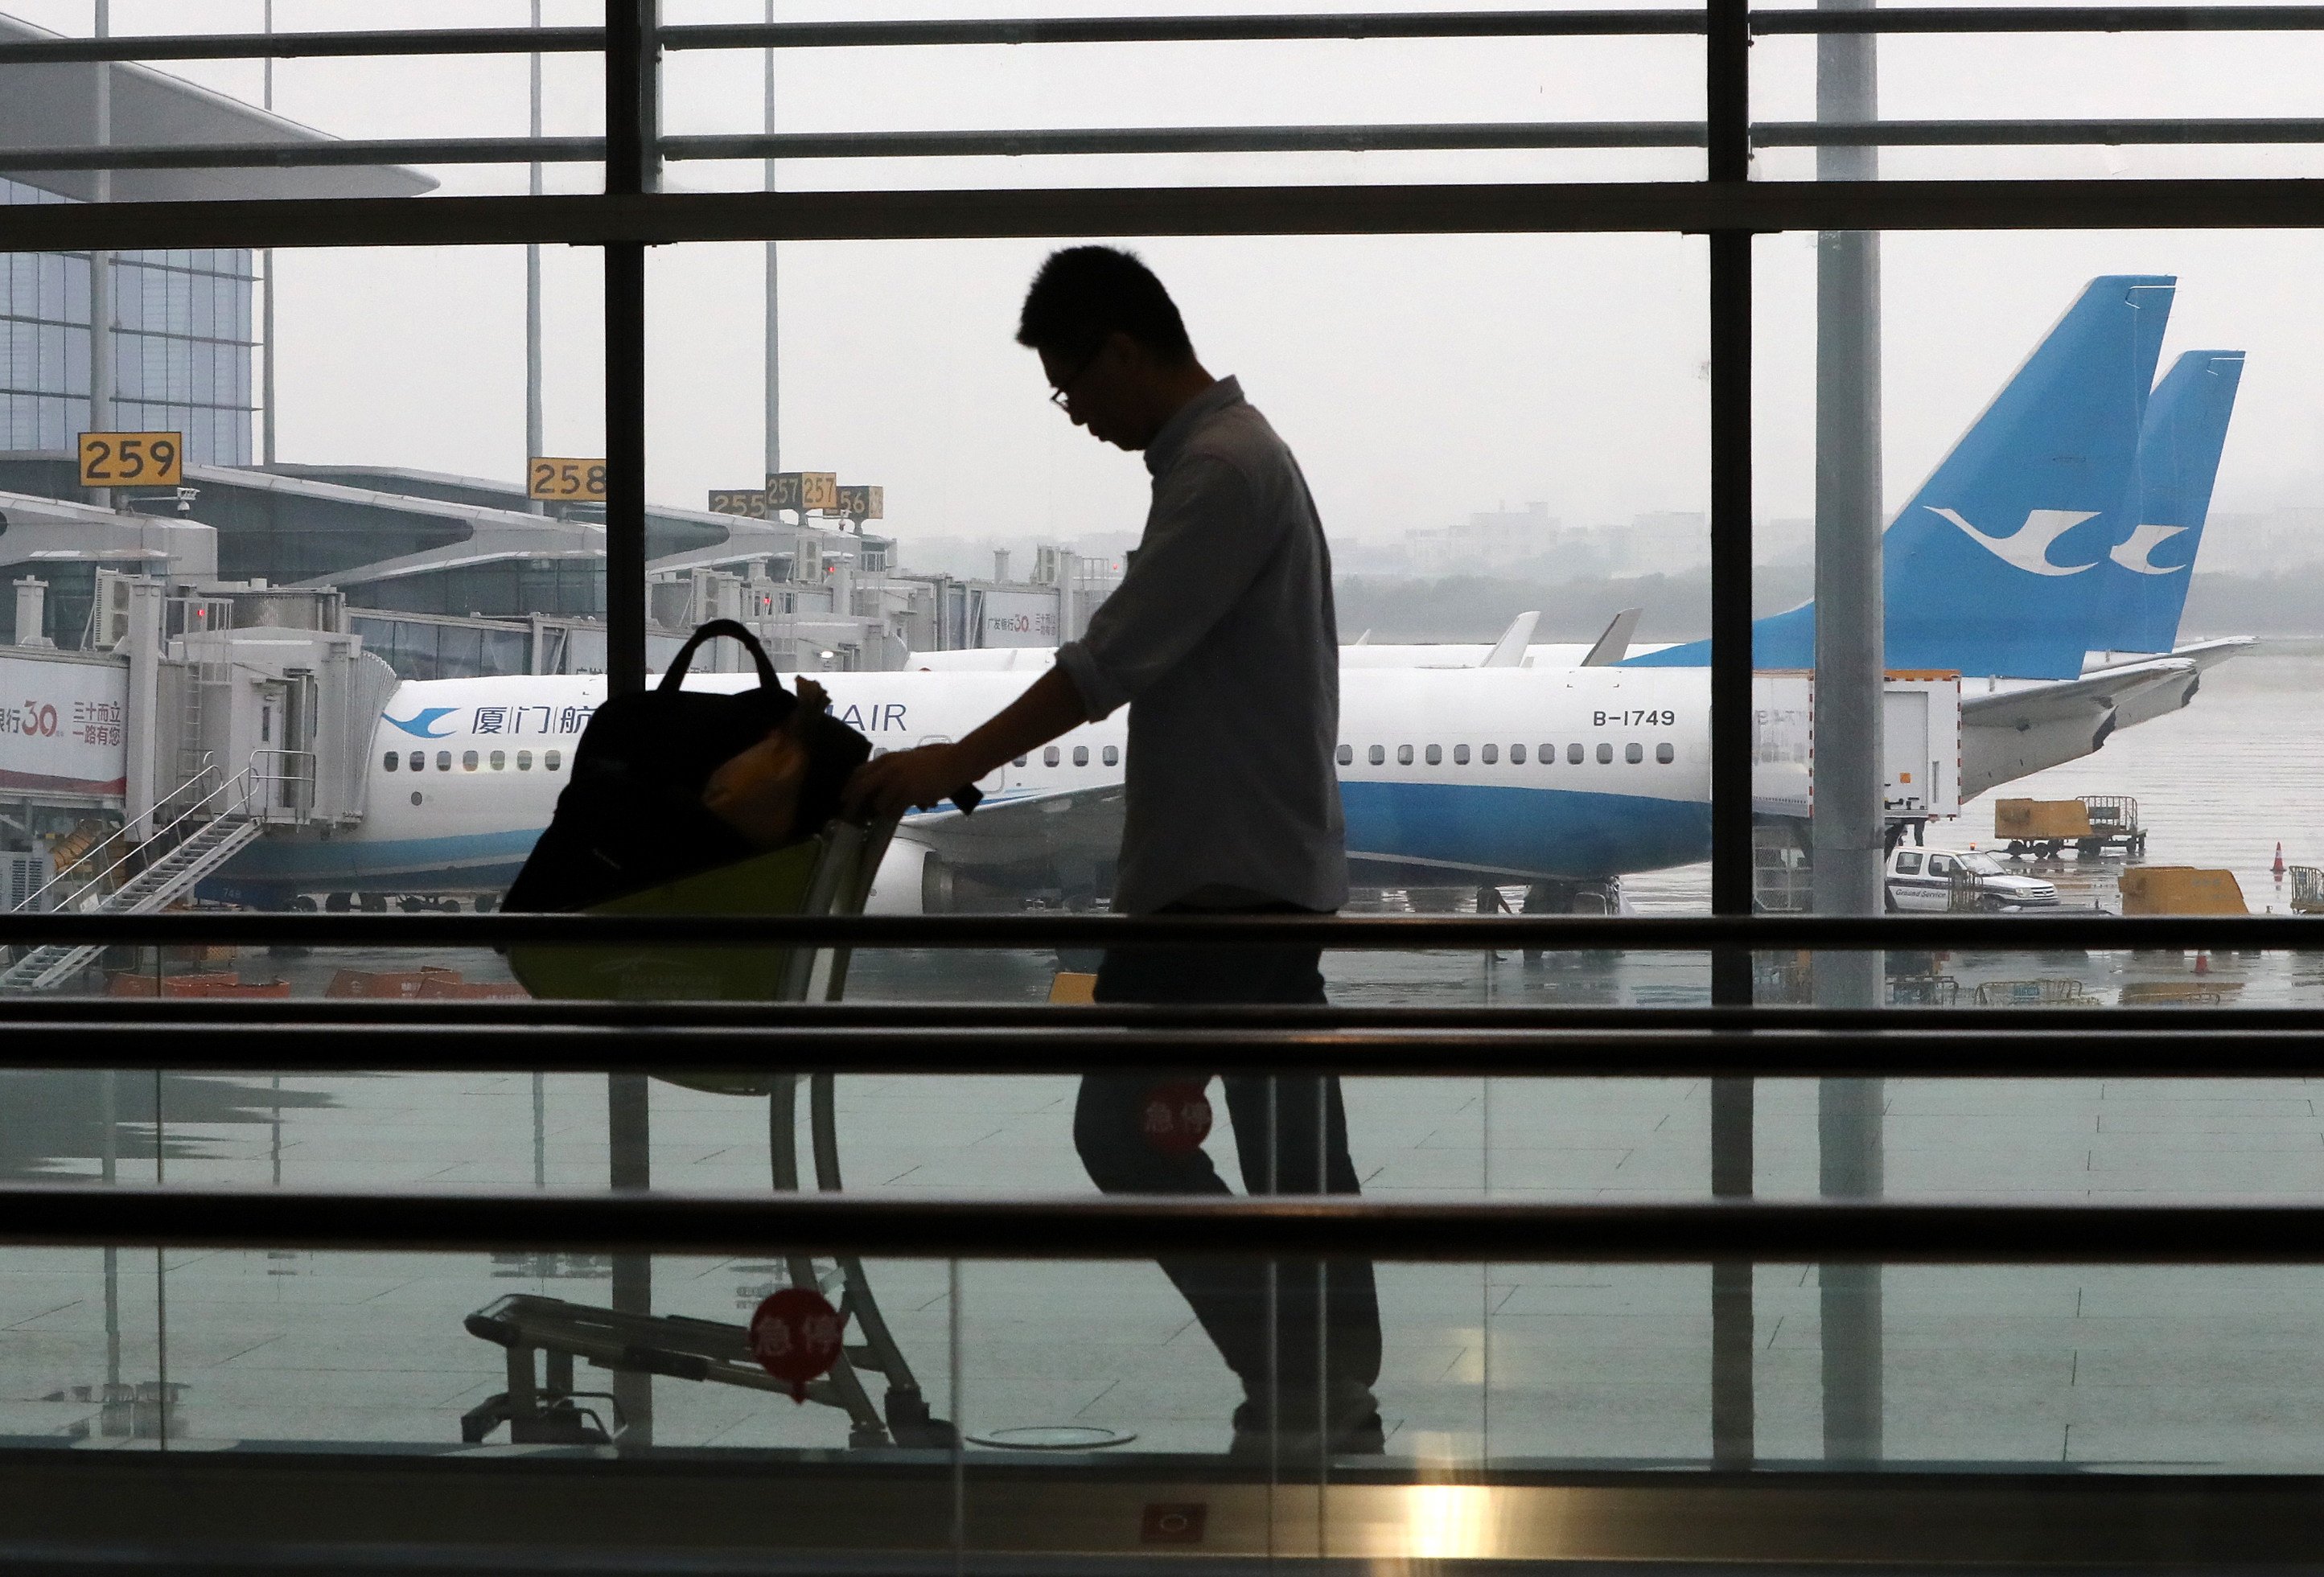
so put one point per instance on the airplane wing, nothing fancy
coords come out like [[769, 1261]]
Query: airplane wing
[[1014, 825], [1615, 643], [1509, 651], [2010, 734], [2209, 654]]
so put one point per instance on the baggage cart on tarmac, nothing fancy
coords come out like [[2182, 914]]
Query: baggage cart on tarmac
[[2307, 890], [2091, 825], [830, 873]]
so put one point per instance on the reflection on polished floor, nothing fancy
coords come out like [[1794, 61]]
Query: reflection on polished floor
[[2120, 1366]]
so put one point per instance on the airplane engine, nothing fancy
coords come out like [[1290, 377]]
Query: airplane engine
[[912, 879]]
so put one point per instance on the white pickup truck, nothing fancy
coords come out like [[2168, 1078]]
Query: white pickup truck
[[1923, 880]]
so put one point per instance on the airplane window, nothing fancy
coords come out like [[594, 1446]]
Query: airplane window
[[467, 761], [1490, 752], [443, 761], [1572, 755], [1376, 755], [1666, 754], [393, 761], [1459, 755], [1634, 753], [1517, 754], [1081, 756], [415, 796], [1018, 762], [552, 761], [1436, 756], [1404, 755], [524, 761], [1049, 756], [419, 760], [499, 761], [1111, 755], [1605, 754], [1344, 754]]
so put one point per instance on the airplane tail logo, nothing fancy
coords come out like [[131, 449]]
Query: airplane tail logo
[[2028, 547]]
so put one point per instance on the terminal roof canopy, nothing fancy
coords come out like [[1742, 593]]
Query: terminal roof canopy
[[55, 106]]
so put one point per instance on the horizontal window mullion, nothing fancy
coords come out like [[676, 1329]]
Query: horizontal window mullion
[[1949, 134], [1134, 30], [292, 46], [731, 1224], [1630, 208], [325, 154], [2064, 19], [1665, 933]]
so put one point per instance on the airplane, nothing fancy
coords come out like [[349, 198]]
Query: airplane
[[1501, 772]]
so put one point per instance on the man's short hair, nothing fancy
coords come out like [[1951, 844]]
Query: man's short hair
[[1084, 293]]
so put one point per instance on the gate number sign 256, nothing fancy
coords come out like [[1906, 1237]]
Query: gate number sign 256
[[132, 459], [550, 478]]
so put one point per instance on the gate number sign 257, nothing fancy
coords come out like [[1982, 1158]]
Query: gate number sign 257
[[132, 459], [547, 477]]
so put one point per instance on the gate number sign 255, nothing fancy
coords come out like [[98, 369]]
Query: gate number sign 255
[[132, 459], [547, 477]]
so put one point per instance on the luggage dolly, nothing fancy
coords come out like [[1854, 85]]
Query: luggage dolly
[[541, 1407]]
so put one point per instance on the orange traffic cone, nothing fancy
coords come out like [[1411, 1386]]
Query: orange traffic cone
[[2279, 860]]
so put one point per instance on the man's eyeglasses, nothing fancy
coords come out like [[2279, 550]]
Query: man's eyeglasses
[[1063, 392]]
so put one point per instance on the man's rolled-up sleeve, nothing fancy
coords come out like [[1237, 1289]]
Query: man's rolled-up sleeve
[[1205, 544]]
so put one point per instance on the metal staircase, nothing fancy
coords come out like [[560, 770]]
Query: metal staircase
[[215, 825]]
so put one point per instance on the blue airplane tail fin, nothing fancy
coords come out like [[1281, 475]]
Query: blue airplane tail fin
[[1990, 568], [2144, 582]]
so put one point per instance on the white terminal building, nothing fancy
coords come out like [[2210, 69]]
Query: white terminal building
[[264, 606]]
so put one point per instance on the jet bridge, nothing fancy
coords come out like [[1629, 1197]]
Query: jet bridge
[[200, 719]]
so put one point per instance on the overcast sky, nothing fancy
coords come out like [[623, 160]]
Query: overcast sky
[[1419, 379]]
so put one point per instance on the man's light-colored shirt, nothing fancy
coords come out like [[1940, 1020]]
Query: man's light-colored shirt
[[1221, 640]]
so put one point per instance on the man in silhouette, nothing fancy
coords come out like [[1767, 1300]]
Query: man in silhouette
[[1222, 641]]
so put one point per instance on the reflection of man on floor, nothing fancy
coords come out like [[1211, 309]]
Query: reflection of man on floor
[[1222, 640]]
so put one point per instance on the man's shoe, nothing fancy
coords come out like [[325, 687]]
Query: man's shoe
[[1351, 1433]]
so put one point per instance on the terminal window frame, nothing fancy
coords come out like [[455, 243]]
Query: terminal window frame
[[1951, 204]]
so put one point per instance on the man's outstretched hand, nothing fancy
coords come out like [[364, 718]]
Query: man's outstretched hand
[[904, 779]]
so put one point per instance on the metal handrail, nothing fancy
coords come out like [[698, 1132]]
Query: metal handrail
[[135, 847], [1126, 1227], [1315, 1019], [1366, 932], [395, 1040]]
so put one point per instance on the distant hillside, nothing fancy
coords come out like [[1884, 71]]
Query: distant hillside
[[1478, 607], [2291, 604]]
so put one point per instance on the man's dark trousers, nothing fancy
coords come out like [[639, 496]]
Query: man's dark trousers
[[1291, 1133]]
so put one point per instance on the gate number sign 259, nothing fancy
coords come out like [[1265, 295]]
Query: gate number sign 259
[[547, 477], [132, 459]]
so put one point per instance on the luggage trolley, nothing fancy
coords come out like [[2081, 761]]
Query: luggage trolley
[[830, 873]]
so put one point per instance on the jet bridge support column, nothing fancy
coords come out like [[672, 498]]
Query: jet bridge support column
[[1845, 829], [143, 737]]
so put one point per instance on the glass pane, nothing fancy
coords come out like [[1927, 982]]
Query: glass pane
[[1278, 111], [300, 102], [2155, 104]]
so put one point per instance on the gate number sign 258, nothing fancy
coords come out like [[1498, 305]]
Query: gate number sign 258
[[547, 477], [132, 459]]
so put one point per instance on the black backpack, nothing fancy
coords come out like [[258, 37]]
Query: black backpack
[[631, 817]]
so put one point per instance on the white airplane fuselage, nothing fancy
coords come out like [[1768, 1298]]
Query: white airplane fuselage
[[1511, 773]]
